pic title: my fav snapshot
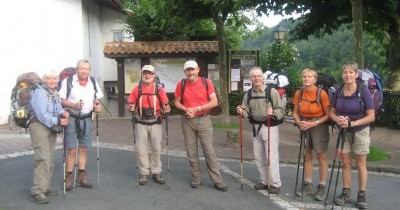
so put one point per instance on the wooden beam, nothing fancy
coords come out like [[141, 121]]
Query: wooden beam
[[121, 86]]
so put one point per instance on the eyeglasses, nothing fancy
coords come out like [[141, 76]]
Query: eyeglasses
[[148, 72]]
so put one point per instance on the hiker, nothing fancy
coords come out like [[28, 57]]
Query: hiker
[[80, 99], [195, 101], [149, 100], [354, 114], [310, 116], [43, 128], [264, 102]]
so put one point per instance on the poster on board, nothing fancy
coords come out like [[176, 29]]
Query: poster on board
[[170, 71], [132, 73]]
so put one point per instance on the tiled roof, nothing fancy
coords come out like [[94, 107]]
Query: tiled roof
[[116, 49]]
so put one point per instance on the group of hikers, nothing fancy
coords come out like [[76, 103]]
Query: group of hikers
[[72, 107]]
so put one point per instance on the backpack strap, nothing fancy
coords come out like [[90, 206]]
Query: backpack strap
[[70, 86], [318, 99], [183, 84]]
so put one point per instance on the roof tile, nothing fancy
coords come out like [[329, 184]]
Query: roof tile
[[114, 49]]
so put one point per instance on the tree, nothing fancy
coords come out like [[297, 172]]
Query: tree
[[321, 17], [185, 19]]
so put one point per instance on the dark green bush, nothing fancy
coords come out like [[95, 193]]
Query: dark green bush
[[390, 116]]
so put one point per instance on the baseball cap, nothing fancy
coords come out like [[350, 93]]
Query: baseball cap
[[190, 64], [148, 68]]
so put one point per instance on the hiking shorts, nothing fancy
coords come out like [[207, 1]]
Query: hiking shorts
[[318, 138], [360, 144], [78, 130]]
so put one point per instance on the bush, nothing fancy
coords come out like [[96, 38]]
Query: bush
[[390, 116]]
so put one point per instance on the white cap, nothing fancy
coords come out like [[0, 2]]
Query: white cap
[[148, 68], [190, 64]]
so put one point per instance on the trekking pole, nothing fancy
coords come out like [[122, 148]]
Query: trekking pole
[[77, 141], [269, 154], [168, 168], [304, 163], [341, 134], [333, 166], [134, 152], [64, 158], [302, 133], [98, 152], [241, 149]]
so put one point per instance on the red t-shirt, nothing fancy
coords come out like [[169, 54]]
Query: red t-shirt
[[195, 93], [147, 97]]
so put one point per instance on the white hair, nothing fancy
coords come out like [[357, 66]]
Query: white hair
[[256, 68], [49, 73]]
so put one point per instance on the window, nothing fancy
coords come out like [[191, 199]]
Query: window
[[118, 36]]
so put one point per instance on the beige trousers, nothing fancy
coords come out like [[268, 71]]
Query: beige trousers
[[148, 136], [199, 130], [44, 144]]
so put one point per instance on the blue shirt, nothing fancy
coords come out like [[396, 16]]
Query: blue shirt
[[46, 106]]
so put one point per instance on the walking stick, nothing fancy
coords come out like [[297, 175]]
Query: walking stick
[[339, 164], [98, 153], [168, 169], [269, 154], [77, 141], [64, 158], [304, 164], [134, 152], [302, 134], [241, 149], [333, 166]]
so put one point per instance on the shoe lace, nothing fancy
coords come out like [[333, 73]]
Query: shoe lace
[[361, 197]]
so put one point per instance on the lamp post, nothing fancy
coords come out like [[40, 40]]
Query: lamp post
[[279, 35]]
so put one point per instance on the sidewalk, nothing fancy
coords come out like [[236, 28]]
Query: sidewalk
[[118, 131]]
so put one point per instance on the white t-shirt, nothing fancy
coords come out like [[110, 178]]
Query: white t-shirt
[[78, 92]]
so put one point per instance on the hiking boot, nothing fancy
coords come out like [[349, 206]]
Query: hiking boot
[[343, 198], [143, 179], [306, 189], [83, 180], [68, 181], [51, 192], [274, 190], [195, 184], [362, 200], [157, 178], [320, 194], [260, 186], [40, 198], [220, 186]]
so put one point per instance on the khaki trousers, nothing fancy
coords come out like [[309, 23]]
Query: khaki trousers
[[144, 135], [199, 130], [260, 149], [44, 144]]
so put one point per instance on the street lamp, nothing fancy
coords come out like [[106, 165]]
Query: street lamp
[[279, 35]]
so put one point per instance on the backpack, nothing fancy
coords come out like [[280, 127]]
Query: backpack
[[69, 73], [373, 82], [279, 82], [214, 111], [267, 97], [21, 110], [149, 112], [329, 85]]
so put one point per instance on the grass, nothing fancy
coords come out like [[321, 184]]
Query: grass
[[231, 125], [376, 154]]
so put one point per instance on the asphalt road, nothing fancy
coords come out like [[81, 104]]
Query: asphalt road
[[117, 189]]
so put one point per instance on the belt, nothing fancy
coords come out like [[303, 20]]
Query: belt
[[200, 116]]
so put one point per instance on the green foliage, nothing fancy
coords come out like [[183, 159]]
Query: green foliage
[[390, 117], [376, 154], [235, 99], [231, 125]]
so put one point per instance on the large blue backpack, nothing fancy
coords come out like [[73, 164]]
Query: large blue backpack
[[373, 82]]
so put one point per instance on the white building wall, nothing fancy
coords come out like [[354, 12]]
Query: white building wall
[[52, 34]]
